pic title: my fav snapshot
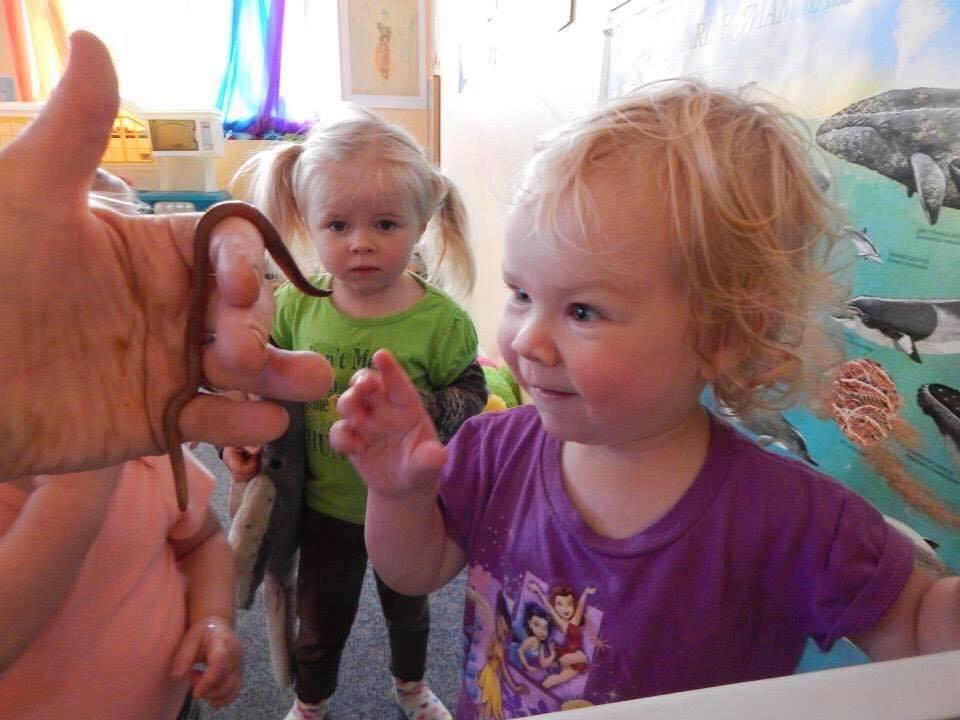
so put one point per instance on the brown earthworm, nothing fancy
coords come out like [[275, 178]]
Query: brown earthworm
[[199, 294]]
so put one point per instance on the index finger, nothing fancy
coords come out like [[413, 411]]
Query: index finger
[[397, 385], [237, 259]]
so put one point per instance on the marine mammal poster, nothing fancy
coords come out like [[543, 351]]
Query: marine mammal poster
[[875, 82]]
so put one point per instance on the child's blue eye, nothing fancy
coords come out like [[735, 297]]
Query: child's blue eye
[[386, 225], [583, 313], [337, 225], [520, 294]]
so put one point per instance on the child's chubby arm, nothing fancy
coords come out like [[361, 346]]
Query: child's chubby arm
[[387, 434], [207, 562], [43, 549], [924, 619]]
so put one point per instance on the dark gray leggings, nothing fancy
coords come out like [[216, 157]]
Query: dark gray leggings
[[333, 560]]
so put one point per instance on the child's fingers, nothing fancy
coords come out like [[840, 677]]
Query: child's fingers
[[186, 654], [217, 671], [220, 679], [345, 440], [364, 395], [225, 694], [396, 383], [235, 459], [248, 464]]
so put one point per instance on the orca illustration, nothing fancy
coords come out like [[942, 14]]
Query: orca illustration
[[911, 136], [942, 404], [911, 326], [864, 244]]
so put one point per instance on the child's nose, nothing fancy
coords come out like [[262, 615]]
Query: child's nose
[[534, 342], [361, 241]]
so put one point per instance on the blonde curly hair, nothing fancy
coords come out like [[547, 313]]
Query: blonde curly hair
[[751, 225]]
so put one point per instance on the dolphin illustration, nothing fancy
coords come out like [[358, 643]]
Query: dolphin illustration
[[911, 136], [263, 535], [909, 325], [771, 428], [942, 404], [866, 249]]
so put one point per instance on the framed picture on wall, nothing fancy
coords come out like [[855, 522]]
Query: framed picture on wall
[[382, 53]]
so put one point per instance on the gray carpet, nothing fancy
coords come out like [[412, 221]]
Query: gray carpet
[[364, 691]]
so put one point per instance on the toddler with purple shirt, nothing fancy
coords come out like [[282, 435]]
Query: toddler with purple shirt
[[674, 240]]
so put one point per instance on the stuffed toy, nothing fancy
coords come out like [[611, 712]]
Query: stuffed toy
[[263, 535], [502, 386]]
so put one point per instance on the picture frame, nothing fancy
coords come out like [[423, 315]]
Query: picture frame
[[570, 15], [383, 53]]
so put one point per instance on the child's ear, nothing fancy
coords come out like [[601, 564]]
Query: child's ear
[[721, 362]]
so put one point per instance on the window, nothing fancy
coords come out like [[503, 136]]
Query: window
[[266, 64]]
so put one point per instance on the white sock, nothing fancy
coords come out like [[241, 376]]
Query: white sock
[[418, 702], [307, 711]]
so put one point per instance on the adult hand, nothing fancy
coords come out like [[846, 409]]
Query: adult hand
[[94, 304]]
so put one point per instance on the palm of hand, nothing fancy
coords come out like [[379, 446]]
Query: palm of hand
[[65, 310], [387, 433], [404, 457]]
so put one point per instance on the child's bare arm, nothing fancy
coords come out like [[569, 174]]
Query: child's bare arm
[[42, 552], [393, 445], [924, 619], [408, 543], [207, 562]]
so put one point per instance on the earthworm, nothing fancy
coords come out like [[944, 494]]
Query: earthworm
[[194, 336]]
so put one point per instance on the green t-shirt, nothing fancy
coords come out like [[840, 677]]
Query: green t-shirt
[[434, 340]]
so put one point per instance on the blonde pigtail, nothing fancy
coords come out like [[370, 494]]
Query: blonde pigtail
[[267, 180], [446, 245]]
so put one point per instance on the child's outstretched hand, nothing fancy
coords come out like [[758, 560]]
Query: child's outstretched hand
[[386, 432], [242, 462], [212, 643]]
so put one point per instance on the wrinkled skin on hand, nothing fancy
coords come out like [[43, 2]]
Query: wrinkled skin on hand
[[93, 304]]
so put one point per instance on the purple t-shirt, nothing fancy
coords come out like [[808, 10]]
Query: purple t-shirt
[[759, 554]]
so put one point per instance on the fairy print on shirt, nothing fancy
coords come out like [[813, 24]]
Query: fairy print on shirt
[[528, 654]]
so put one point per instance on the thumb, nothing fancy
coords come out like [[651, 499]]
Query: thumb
[[63, 146], [427, 460]]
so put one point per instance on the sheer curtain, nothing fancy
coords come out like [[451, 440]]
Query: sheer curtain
[[283, 65], [37, 44], [268, 65]]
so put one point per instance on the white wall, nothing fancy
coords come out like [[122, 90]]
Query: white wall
[[522, 77]]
